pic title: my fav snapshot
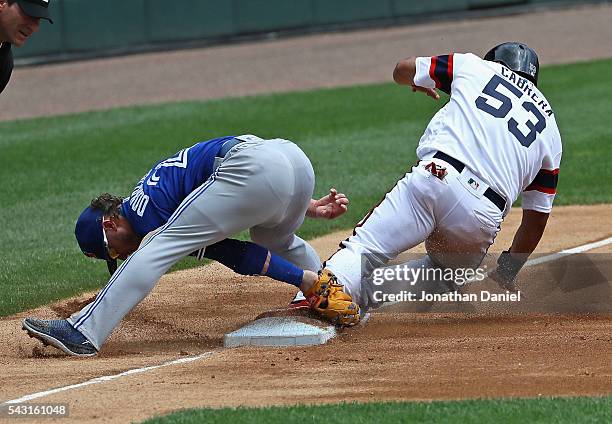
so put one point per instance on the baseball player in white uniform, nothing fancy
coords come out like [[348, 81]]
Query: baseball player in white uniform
[[494, 140]]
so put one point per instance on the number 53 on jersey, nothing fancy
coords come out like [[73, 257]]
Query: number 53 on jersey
[[492, 91]]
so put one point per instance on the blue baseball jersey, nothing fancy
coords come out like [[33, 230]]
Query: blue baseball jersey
[[159, 193]]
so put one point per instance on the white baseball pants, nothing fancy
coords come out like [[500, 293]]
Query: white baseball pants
[[457, 223]]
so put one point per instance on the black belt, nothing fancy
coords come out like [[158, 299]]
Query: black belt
[[227, 146], [497, 199]]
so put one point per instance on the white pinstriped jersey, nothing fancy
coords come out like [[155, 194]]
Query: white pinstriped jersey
[[497, 123]]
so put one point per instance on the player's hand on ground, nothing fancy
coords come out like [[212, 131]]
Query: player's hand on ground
[[329, 207], [431, 92], [508, 266], [504, 282]]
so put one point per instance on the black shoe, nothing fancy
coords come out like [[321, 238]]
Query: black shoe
[[60, 334]]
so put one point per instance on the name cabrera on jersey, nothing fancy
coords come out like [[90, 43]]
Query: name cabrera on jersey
[[159, 193], [497, 123]]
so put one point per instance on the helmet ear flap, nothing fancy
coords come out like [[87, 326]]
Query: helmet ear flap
[[490, 55]]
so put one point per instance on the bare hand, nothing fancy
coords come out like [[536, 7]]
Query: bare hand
[[329, 207], [431, 92]]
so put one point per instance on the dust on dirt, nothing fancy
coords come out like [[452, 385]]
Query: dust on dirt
[[69, 307]]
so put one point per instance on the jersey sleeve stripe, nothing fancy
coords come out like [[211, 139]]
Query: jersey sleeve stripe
[[449, 71], [432, 71], [546, 181], [550, 171], [541, 189], [441, 72]]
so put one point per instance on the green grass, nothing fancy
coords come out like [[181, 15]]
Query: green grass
[[360, 139], [507, 411]]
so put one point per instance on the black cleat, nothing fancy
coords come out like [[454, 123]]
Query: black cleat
[[61, 334]]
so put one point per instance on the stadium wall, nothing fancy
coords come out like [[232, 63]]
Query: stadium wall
[[124, 26]]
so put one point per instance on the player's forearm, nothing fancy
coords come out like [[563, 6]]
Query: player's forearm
[[525, 242], [529, 233], [404, 71]]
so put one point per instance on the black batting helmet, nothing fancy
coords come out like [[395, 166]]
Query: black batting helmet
[[519, 57]]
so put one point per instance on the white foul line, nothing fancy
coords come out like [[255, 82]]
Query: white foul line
[[106, 378], [567, 252]]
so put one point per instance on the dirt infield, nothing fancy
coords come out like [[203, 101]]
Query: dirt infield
[[396, 355]]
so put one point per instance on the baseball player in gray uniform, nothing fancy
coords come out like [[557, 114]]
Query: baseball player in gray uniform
[[191, 203]]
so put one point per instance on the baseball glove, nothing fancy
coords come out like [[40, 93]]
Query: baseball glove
[[328, 299]]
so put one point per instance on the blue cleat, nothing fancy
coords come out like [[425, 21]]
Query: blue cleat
[[60, 334]]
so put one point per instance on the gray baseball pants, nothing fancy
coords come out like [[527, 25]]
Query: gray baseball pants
[[261, 185]]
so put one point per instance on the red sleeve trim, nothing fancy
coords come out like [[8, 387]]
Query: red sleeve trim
[[441, 72], [541, 189], [432, 71], [546, 181]]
